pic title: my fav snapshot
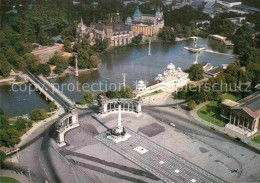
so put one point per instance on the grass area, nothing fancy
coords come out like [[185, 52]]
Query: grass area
[[8, 180], [152, 93], [212, 111], [256, 138], [213, 116], [231, 97]]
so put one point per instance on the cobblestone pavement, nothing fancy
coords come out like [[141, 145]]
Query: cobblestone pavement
[[164, 164]]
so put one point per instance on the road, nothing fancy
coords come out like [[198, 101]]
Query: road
[[243, 155]]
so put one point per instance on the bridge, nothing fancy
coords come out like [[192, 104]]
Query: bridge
[[69, 117]]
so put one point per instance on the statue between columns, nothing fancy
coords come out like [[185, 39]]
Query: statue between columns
[[118, 134]]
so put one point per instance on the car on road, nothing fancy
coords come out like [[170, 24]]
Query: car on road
[[172, 124], [245, 142], [238, 139]]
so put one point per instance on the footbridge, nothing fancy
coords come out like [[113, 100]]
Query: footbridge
[[69, 117]]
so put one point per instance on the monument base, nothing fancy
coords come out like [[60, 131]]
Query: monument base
[[117, 135]]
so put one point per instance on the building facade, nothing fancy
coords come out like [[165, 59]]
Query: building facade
[[117, 32], [171, 78], [243, 116], [146, 24]]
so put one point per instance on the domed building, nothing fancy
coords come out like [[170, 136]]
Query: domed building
[[128, 21], [147, 24], [141, 86], [171, 78]]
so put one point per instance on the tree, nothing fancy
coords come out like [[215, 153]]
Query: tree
[[52, 106], [242, 38], [167, 34], [191, 105], [2, 157], [4, 122], [137, 39], [13, 137], [44, 69], [32, 62], [111, 94], [5, 66], [208, 109], [222, 26], [126, 92], [94, 61], [60, 62], [89, 97], [38, 114], [196, 72], [22, 123]]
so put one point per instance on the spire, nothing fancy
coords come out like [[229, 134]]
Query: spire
[[81, 21]]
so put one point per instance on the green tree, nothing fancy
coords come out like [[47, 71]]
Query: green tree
[[126, 92], [196, 72], [38, 114], [60, 62], [137, 39], [13, 137], [222, 26], [208, 109], [191, 105], [167, 34], [89, 97], [52, 106], [44, 69], [4, 122], [242, 38], [32, 62], [22, 123], [2, 157], [111, 94]]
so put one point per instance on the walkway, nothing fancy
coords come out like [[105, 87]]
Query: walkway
[[18, 176]]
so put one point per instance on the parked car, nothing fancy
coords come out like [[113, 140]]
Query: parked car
[[238, 139], [172, 124], [245, 142]]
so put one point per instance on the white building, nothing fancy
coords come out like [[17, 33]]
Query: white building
[[229, 4], [171, 78]]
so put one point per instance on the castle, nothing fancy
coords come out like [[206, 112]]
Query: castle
[[121, 33], [146, 24]]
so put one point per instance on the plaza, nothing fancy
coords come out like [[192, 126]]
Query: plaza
[[194, 156]]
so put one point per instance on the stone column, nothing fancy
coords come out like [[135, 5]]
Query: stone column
[[248, 124], [139, 107], [105, 107], [253, 125]]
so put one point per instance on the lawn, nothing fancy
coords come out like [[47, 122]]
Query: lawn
[[256, 138], [211, 112], [231, 97], [152, 93], [8, 180], [213, 116]]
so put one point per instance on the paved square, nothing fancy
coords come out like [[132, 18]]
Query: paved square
[[175, 168]]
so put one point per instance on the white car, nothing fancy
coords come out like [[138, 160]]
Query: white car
[[172, 124]]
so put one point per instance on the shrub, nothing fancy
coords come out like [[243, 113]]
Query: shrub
[[191, 105]]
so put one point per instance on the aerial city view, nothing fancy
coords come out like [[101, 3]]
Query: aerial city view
[[121, 91]]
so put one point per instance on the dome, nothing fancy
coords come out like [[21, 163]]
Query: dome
[[128, 20], [170, 66], [179, 69], [159, 75], [137, 13], [140, 82]]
